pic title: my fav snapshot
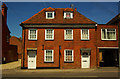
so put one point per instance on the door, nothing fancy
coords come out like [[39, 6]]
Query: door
[[85, 60], [31, 59]]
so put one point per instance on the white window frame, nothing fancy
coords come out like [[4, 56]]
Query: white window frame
[[88, 34], [29, 34], [65, 55], [65, 34], [46, 34], [106, 34], [52, 15], [45, 55], [71, 15]]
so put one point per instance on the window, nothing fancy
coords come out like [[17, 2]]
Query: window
[[32, 34], [49, 15], [68, 34], [68, 55], [49, 34], [84, 34], [48, 56], [108, 34], [68, 15]]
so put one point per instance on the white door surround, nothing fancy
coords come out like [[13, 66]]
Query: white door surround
[[32, 59]]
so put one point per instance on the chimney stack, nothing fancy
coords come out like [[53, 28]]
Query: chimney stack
[[72, 6], [4, 12], [75, 9]]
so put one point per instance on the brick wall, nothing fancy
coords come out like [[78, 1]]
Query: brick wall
[[17, 41], [76, 45]]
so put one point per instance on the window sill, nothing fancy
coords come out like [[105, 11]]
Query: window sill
[[85, 40], [32, 39], [49, 39], [49, 18], [68, 39], [68, 61], [108, 39], [48, 62]]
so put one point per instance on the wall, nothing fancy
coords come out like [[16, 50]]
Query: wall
[[17, 41], [76, 45]]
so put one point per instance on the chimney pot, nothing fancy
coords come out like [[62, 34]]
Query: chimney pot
[[76, 9]]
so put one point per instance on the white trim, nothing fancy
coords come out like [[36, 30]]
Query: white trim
[[52, 34], [106, 34], [88, 34], [29, 34], [108, 47], [65, 34], [52, 15], [45, 56], [65, 55]]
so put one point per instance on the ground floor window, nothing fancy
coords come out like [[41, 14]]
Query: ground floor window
[[48, 56], [68, 55]]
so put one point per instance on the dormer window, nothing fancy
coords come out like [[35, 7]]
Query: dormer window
[[49, 15], [68, 15]]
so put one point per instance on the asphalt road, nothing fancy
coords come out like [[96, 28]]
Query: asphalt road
[[64, 73]]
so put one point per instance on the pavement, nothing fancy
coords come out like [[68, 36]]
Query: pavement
[[13, 69]]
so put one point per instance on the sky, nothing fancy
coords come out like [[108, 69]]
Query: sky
[[100, 12]]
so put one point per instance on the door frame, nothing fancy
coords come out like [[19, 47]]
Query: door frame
[[35, 60], [82, 62]]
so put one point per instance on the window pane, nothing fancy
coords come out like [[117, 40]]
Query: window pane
[[49, 34], [68, 34], [68, 55], [84, 33], [49, 15], [32, 34], [49, 55]]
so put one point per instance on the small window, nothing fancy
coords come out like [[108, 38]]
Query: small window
[[68, 34], [49, 34], [32, 34], [68, 15], [49, 15], [84, 34], [48, 56], [68, 55], [108, 34]]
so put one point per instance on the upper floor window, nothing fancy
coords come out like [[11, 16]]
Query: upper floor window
[[68, 55], [68, 34], [108, 34], [32, 34], [49, 15], [68, 15], [49, 34], [48, 56], [84, 34]]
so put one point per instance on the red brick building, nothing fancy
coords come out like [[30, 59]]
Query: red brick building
[[18, 42], [116, 21], [64, 38], [9, 52]]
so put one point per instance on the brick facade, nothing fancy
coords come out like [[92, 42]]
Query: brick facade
[[76, 44], [9, 52], [18, 42]]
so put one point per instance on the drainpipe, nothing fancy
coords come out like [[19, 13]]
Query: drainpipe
[[24, 48], [97, 54], [59, 55]]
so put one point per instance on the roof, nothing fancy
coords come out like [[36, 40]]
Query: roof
[[40, 17], [115, 19], [19, 39]]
